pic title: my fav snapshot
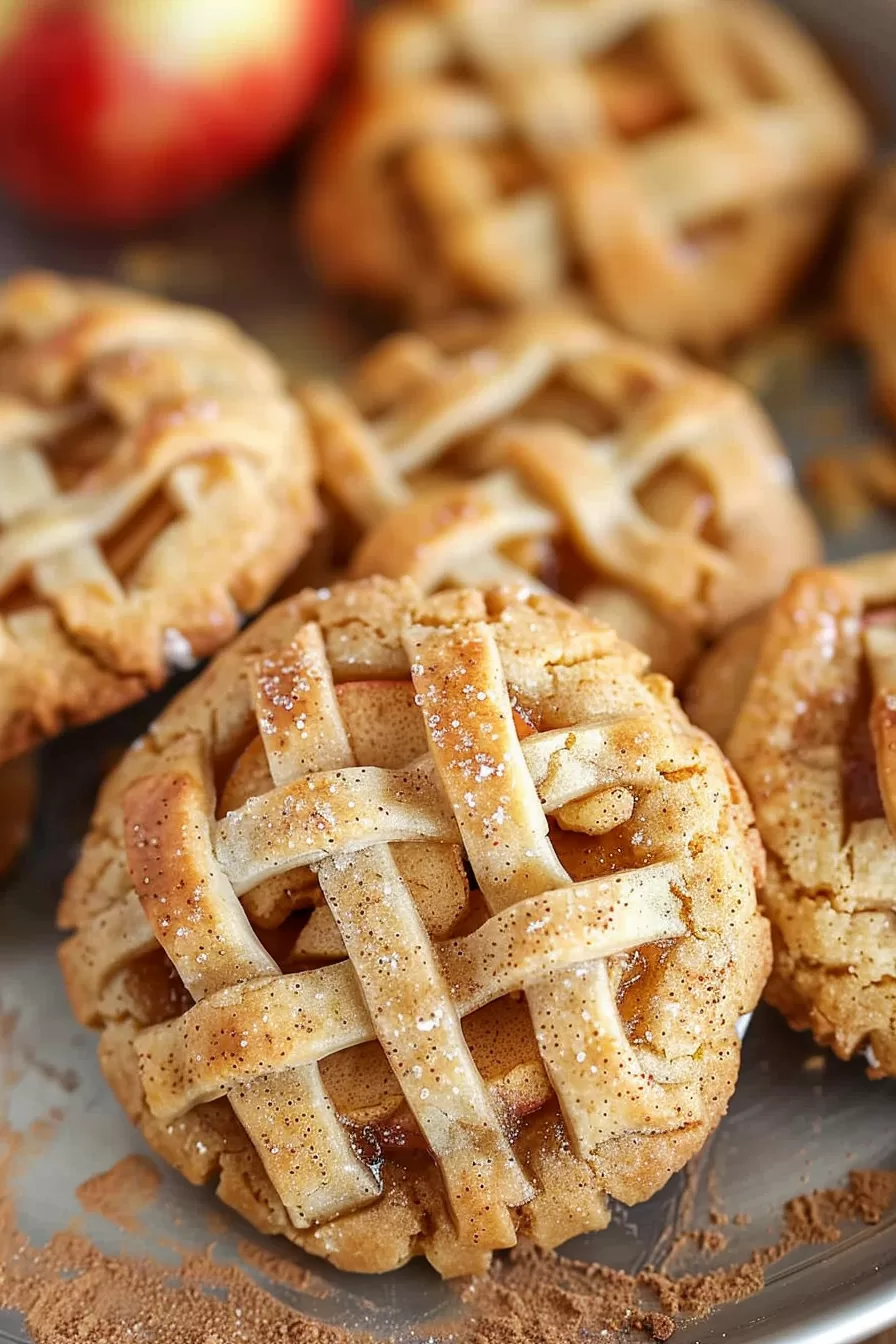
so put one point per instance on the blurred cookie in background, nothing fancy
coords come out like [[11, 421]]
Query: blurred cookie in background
[[546, 449], [677, 165]]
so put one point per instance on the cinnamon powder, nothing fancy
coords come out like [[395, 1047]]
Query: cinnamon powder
[[122, 1192], [538, 1297], [70, 1292], [279, 1269]]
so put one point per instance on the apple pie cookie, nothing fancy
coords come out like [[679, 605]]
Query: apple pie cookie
[[807, 713], [869, 289], [543, 447], [155, 484], [418, 924], [677, 160]]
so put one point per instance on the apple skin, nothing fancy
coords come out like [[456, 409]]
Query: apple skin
[[118, 112]]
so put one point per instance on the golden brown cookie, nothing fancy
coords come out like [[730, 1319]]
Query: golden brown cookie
[[677, 162], [869, 283], [155, 485], [805, 705], [418, 924], [545, 448]]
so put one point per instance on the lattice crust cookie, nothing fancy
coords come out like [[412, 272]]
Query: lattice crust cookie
[[808, 718], [678, 160], [419, 924], [869, 290], [546, 448], [155, 483]]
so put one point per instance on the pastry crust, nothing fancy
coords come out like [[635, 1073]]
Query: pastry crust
[[156, 484], [869, 288], [676, 160], [813, 736], [545, 448], [276, 933]]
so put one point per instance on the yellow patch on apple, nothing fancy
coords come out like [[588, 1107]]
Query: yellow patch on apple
[[193, 37]]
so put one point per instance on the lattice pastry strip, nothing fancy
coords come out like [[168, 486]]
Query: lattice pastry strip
[[498, 812], [305, 1150], [588, 779], [67, 520], [303, 1017], [601, 761], [571, 780], [593, 488], [558, 116], [397, 968], [114, 334], [28, 485], [307, 820]]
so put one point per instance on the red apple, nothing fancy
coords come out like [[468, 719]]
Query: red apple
[[114, 112]]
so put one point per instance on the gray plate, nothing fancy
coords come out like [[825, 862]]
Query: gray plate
[[791, 1127]]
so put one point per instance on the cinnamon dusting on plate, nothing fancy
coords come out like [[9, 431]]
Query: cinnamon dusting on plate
[[122, 1192], [538, 1297], [280, 1269], [70, 1292]]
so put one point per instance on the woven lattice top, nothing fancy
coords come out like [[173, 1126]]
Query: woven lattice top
[[814, 739], [155, 482], [677, 158], [465, 911], [869, 289], [546, 448]]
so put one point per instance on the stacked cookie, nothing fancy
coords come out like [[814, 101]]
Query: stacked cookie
[[424, 918]]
